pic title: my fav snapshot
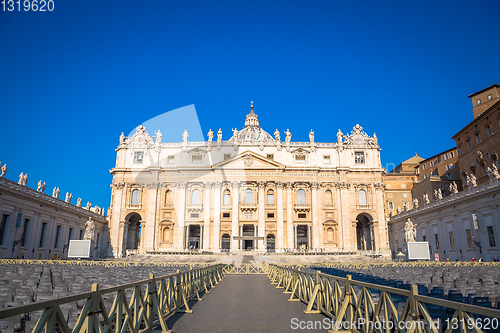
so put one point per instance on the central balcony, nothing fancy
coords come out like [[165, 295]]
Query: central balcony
[[195, 207], [247, 207], [302, 207]]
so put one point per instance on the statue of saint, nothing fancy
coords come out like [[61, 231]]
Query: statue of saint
[[473, 180], [158, 136], [210, 135], [89, 205], [491, 176], [185, 136], [410, 231], [405, 206], [311, 136], [494, 167], [54, 192], [122, 138], [39, 188], [415, 203], [288, 136], [58, 191], [426, 198], [277, 135], [89, 230], [4, 170], [43, 187], [375, 139], [67, 197], [339, 136], [235, 134], [262, 135], [79, 202], [219, 135], [25, 180], [21, 178]]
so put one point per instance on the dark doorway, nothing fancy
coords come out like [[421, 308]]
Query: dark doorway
[[226, 242], [271, 243], [194, 237]]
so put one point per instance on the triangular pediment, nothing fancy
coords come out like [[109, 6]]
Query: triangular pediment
[[249, 160]]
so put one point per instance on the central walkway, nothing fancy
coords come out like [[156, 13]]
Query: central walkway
[[244, 303]]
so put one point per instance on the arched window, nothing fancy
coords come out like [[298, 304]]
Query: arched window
[[328, 197], [270, 197], [248, 195], [301, 197], [227, 198], [166, 234], [195, 197], [362, 197], [168, 197], [135, 197]]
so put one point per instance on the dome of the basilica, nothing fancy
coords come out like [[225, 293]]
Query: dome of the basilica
[[252, 131]]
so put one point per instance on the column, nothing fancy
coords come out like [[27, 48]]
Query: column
[[241, 240], [122, 241], [202, 235], [216, 233], [309, 237], [148, 231], [262, 216], [118, 205], [235, 216], [289, 217], [346, 225], [295, 244], [279, 211], [186, 239], [381, 237], [181, 207], [206, 222], [315, 219]]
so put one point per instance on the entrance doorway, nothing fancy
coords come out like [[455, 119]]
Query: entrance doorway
[[194, 237], [226, 242], [302, 237], [133, 238], [248, 244], [271, 243], [364, 237]]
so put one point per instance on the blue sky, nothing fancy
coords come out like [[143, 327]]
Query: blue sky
[[73, 79]]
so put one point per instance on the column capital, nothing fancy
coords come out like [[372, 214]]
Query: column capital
[[344, 185], [262, 185], [217, 184], [235, 184], [314, 185], [181, 185], [289, 186], [208, 185], [279, 184]]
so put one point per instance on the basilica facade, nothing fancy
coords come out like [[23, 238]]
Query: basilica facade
[[254, 192]]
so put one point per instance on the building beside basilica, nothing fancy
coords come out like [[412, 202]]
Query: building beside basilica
[[253, 192]]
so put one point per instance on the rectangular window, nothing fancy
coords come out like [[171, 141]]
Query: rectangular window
[[460, 150], [403, 185], [227, 156], [138, 156], [405, 195], [436, 238], [391, 205], [171, 159], [424, 167], [300, 158], [359, 157], [452, 154], [326, 159], [388, 186], [58, 235], [431, 164], [42, 235], [452, 241], [469, 145], [302, 215], [196, 158], [226, 215], [270, 156], [489, 131], [3, 228], [469, 238], [270, 198], [491, 236], [438, 160], [418, 171], [270, 215], [195, 215], [81, 235], [25, 232], [478, 138]]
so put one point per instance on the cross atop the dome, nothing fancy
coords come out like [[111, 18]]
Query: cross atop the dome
[[251, 104]]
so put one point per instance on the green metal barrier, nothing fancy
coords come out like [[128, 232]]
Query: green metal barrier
[[336, 297], [104, 263], [141, 313]]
